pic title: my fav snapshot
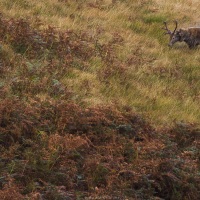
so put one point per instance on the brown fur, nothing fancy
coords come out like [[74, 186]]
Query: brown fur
[[190, 36], [195, 32], [190, 32]]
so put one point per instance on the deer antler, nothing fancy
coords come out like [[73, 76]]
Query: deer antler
[[166, 29], [175, 27]]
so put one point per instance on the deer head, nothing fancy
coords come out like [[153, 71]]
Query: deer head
[[174, 36]]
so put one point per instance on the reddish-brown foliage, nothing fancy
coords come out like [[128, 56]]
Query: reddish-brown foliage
[[57, 148]]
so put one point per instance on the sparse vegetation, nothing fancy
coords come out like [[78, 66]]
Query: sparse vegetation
[[94, 105]]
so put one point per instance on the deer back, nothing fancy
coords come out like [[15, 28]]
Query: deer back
[[194, 32]]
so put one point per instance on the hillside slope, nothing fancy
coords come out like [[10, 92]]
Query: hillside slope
[[129, 62], [94, 105]]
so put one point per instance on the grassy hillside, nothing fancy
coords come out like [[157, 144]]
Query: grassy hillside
[[93, 102], [142, 72]]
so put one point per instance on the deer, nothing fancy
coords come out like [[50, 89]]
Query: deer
[[191, 35]]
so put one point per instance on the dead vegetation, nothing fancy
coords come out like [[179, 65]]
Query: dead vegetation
[[52, 151], [54, 146]]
